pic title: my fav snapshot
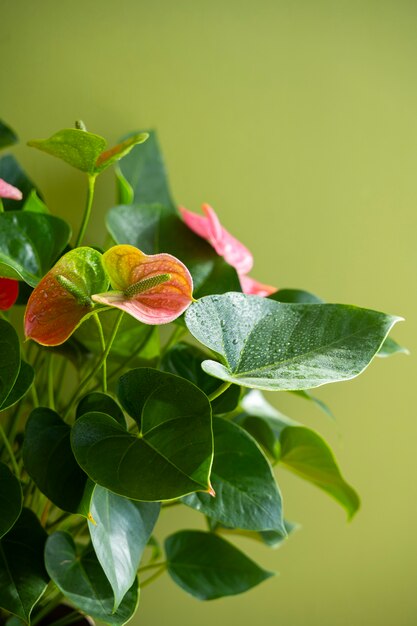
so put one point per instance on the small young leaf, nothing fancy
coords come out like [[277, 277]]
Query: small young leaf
[[23, 578], [390, 347], [247, 495], [35, 204], [30, 243], [172, 454], [119, 151], [208, 567], [77, 147], [10, 499], [119, 533], [81, 579], [280, 346]]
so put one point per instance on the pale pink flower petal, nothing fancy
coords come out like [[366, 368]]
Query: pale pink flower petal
[[8, 191], [227, 246], [253, 287]]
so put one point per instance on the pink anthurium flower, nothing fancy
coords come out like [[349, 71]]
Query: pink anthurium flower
[[9, 290], [8, 191], [209, 227], [233, 251], [155, 289]]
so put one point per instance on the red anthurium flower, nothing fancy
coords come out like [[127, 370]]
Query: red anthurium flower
[[8, 191], [233, 251], [154, 289], [9, 290], [62, 299]]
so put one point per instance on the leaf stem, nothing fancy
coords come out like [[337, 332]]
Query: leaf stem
[[10, 451], [103, 347], [51, 399], [151, 579], [95, 369], [219, 391], [145, 568], [87, 211]]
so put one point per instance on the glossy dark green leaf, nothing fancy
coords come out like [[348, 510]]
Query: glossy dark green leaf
[[275, 346], [120, 529], [119, 151], [102, 403], [76, 147], [34, 203], [80, 578], [185, 360], [143, 171], [295, 296], [157, 228], [50, 462], [23, 578], [390, 347], [208, 567], [11, 171], [172, 454], [247, 495], [21, 386], [9, 359], [134, 343], [10, 499], [271, 538], [30, 244], [299, 449], [7, 135]]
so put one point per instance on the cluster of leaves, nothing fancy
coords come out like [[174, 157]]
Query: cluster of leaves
[[105, 420]]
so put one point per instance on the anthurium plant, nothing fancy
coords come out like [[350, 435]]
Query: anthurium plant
[[132, 379]]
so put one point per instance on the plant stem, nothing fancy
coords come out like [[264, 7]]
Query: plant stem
[[151, 579], [94, 371], [10, 451], [47, 609], [87, 211], [145, 568], [178, 332], [51, 399], [219, 391], [103, 347]]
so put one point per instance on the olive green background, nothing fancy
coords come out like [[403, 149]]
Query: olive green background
[[297, 121]]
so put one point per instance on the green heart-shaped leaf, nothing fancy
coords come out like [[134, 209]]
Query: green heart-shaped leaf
[[9, 359], [390, 347], [76, 147], [49, 460], [21, 385], [142, 176], [271, 538], [30, 243], [102, 403], [23, 578], [35, 204], [11, 171], [185, 360], [208, 567], [10, 499], [247, 495], [276, 346], [299, 449], [81, 579], [7, 135], [172, 454], [120, 530]]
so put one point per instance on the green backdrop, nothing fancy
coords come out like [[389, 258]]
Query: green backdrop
[[297, 121]]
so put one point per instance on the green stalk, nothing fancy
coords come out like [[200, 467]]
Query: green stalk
[[10, 451], [219, 391], [87, 211], [94, 371], [103, 347], [151, 579], [51, 399]]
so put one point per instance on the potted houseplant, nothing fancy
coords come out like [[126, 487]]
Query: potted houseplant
[[131, 380]]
